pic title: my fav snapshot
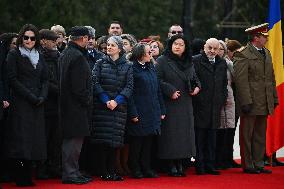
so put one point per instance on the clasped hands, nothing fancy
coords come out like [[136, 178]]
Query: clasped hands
[[6, 104], [111, 104], [136, 119], [177, 94]]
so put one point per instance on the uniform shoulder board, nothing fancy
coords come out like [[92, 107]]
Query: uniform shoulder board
[[242, 48]]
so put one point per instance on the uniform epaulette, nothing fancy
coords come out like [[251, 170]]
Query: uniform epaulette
[[242, 48]]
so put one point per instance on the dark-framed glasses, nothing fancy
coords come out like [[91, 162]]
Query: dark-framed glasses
[[32, 38], [176, 32], [115, 28]]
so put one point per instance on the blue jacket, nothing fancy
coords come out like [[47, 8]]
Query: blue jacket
[[146, 103]]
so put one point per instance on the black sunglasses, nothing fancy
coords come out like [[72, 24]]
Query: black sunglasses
[[176, 32], [32, 38]]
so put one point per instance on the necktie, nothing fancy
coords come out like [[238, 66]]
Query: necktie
[[262, 52]]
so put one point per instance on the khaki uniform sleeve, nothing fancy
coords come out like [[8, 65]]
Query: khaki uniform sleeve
[[241, 66]]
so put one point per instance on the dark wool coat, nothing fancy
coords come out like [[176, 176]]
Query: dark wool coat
[[3, 78], [93, 56], [255, 81], [51, 59], [177, 138], [25, 132], [2, 61], [112, 78], [75, 91], [146, 102], [210, 100]]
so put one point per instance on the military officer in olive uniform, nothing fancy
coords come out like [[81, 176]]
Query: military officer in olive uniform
[[256, 97]]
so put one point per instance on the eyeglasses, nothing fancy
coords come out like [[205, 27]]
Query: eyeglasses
[[176, 32], [32, 38], [154, 47], [115, 28]]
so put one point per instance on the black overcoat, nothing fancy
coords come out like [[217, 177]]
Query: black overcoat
[[177, 138], [210, 100], [75, 88], [25, 132], [51, 59]]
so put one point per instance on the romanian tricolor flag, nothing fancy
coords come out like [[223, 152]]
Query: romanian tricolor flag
[[275, 123]]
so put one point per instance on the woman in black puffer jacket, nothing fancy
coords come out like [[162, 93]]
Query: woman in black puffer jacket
[[113, 85]]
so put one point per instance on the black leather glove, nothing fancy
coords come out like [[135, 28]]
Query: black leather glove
[[246, 108], [40, 101]]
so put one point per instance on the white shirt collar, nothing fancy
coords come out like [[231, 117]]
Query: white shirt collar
[[257, 48]]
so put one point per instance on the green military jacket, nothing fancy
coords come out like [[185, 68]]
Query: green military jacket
[[255, 81]]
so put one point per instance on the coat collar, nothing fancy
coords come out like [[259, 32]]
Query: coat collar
[[205, 62], [141, 67], [74, 45], [121, 60], [254, 52]]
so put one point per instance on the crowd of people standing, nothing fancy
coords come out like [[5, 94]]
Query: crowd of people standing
[[75, 106]]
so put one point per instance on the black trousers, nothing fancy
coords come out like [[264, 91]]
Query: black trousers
[[224, 146], [106, 159], [5, 165], [205, 148], [230, 144], [54, 143], [140, 148], [22, 171]]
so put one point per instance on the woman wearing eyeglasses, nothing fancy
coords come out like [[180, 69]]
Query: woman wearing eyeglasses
[[28, 79], [178, 83], [156, 48], [113, 85]]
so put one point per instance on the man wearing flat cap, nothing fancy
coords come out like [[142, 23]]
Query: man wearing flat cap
[[51, 168], [256, 97], [75, 101]]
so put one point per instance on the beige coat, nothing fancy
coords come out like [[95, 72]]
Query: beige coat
[[228, 111], [255, 80]]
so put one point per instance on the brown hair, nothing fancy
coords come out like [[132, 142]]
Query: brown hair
[[160, 45], [233, 45], [28, 27]]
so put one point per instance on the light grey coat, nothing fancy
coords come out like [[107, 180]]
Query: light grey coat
[[228, 111]]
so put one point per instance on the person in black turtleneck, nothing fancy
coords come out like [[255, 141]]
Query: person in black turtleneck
[[75, 99], [178, 83], [51, 168]]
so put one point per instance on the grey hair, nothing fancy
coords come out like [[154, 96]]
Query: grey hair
[[92, 31], [224, 46], [130, 38], [74, 38], [58, 29]]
